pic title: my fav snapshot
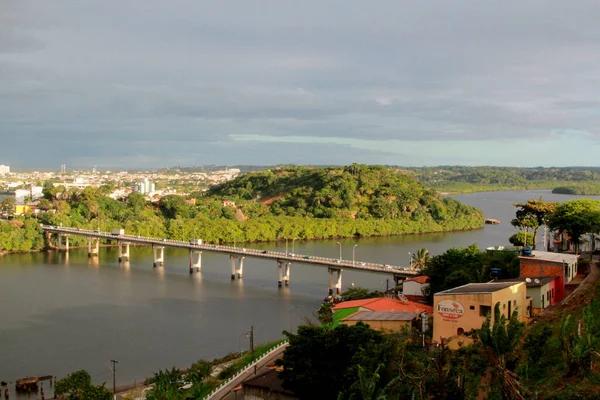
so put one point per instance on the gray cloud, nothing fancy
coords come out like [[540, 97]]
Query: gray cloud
[[137, 83]]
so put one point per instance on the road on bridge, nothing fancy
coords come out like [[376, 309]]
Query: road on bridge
[[397, 271]]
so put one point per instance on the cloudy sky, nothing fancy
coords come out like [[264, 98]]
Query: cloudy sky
[[138, 83]]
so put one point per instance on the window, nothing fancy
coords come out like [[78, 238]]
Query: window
[[460, 331], [552, 293], [548, 296], [484, 311], [471, 307]]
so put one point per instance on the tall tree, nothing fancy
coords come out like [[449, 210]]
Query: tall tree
[[576, 217], [421, 258], [501, 341], [533, 214]]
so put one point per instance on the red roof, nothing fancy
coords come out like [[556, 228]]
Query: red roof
[[419, 279], [384, 304]]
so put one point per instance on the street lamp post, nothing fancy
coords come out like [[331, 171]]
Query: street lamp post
[[293, 244], [353, 251], [233, 234], [340, 250], [409, 259]]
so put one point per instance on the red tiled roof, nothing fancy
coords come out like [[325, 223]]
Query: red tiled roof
[[385, 304], [419, 279]]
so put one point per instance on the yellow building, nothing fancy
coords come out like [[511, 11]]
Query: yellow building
[[462, 309]]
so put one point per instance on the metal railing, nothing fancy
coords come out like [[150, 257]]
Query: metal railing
[[216, 391]]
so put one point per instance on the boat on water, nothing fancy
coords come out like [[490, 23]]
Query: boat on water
[[29, 384], [492, 221]]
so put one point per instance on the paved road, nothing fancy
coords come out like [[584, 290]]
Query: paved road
[[396, 270], [227, 394]]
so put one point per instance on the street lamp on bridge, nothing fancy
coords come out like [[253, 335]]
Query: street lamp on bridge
[[340, 250], [293, 244], [353, 251]]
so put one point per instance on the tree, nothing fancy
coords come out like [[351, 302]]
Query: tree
[[320, 363], [576, 217], [136, 202], [79, 386], [533, 214], [421, 257], [8, 205], [501, 341], [522, 239]]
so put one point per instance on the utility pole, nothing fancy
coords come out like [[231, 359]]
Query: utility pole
[[252, 341], [114, 371]]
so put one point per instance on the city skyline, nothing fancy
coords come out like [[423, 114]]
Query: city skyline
[[125, 85]]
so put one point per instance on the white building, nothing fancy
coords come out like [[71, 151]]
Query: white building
[[144, 187], [4, 169], [415, 288]]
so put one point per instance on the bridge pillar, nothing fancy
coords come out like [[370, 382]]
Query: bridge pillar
[[93, 249], [123, 251], [159, 259], [64, 247], [195, 260], [237, 266], [280, 270], [335, 286], [286, 276]]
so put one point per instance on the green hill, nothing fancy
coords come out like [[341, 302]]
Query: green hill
[[360, 193]]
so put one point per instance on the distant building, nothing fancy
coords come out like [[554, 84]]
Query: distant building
[[228, 203], [541, 291], [4, 169], [462, 309], [143, 187], [542, 264], [414, 288]]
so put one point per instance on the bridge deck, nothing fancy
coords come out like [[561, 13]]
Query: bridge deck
[[240, 251]]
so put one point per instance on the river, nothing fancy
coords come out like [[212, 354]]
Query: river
[[63, 313]]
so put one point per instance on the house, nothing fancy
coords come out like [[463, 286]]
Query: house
[[384, 321], [543, 264], [415, 288], [384, 304], [383, 313], [542, 292], [228, 203], [266, 386], [462, 309]]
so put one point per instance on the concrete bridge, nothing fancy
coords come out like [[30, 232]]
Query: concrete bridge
[[335, 266]]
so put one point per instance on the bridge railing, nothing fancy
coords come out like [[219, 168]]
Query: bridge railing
[[244, 370], [330, 262]]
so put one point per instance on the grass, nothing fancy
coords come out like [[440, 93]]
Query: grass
[[339, 315]]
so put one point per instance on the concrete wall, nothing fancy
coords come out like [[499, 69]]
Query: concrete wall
[[474, 310], [412, 288], [535, 269]]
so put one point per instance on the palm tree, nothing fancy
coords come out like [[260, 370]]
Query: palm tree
[[421, 257]]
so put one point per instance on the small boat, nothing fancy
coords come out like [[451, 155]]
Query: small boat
[[27, 384], [492, 221]]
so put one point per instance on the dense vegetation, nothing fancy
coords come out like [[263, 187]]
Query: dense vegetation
[[460, 179], [583, 188], [302, 203]]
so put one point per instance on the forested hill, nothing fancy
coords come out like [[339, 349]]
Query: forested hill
[[353, 192], [471, 179]]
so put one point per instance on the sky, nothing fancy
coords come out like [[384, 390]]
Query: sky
[[153, 84]]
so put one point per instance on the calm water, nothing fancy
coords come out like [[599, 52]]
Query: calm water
[[62, 313]]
